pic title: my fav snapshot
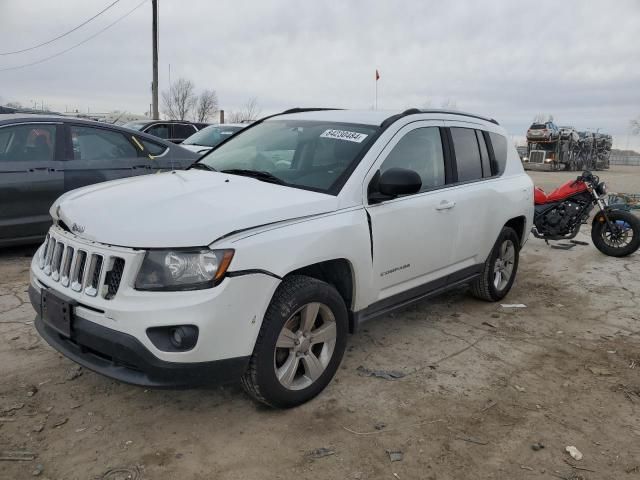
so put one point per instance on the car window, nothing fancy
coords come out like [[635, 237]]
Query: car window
[[499, 144], [181, 130], [419, 150], [153, 148], [211, 136], [30, 142], [92, 144], [468, 162], [484, 155], [315, 155], [160, 130], [135, 125]]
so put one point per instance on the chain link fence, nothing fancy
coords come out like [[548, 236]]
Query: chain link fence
[[624, 159]]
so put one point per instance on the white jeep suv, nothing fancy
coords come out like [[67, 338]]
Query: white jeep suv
[[257, 262]]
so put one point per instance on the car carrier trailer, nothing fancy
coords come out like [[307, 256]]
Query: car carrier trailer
[[572, 150]]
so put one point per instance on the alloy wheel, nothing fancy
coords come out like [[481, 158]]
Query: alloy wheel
[[305, 346], [503, 267]]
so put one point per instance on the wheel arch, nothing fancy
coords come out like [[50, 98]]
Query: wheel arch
[[518, 224], [339, 273]]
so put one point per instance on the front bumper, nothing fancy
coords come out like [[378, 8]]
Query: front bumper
[[228, 316], [123, 357]]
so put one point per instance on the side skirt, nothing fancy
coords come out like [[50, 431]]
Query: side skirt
[[416, 294]]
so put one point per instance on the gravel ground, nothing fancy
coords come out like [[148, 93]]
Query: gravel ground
[[483, 385]]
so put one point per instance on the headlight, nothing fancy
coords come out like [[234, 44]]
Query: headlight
[[171, 270], [548, 160], [601, 188]]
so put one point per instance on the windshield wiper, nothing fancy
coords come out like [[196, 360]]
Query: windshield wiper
[[202, 166], [257, 174]]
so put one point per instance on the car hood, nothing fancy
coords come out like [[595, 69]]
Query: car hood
[[181, 208]]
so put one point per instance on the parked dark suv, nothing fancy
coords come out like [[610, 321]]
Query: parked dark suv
[[175, 131], [41, 157]]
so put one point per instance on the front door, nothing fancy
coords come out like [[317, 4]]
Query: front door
[[31, 178], [413, 235]]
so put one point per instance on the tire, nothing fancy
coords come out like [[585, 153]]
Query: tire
[[487, 287], [282, 373], [606, 244]]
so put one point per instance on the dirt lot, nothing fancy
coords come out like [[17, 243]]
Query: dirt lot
[[483, 384]]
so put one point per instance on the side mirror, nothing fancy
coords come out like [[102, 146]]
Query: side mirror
[[393, 183]]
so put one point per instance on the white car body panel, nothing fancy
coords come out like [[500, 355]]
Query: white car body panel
[[182, 208]]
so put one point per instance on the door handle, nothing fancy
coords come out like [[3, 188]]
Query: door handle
[[41, 169], [446, 205], [138, 167]]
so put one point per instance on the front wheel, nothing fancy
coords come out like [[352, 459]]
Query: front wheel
[[620, 240], [300, 345]]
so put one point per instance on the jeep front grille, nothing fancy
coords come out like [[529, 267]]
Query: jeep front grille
[[113, 277], [89, 272]]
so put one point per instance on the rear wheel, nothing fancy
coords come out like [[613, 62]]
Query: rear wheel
[[621, 240], [499, 271], [300, 345]]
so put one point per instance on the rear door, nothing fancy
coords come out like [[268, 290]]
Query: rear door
[[97, 154], [476, 196], [31, 178]]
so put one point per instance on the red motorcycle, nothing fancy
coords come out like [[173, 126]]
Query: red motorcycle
[[559, 216]]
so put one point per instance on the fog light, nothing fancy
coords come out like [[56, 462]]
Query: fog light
[[176, 338], [184, 337]]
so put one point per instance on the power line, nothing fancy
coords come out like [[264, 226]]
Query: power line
[[77, 44], [59, 36]]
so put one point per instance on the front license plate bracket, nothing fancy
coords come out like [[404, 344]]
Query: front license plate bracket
[[57, 311]]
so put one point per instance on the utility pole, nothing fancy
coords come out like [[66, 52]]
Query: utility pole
[[154, 83]]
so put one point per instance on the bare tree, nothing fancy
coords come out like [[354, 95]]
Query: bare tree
[[250, 112], [179, 100], [635, 126], [14, 105], [207, 105]]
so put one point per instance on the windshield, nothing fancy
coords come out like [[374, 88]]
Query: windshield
[[306, 154], [134, 125], [211, 136]]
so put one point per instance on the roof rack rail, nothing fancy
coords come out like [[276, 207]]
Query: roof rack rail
[[312, 109], [415, 111]]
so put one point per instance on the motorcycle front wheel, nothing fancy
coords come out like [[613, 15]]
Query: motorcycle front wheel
[[621, 240]]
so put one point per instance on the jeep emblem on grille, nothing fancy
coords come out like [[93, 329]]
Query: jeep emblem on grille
[[77, 228]]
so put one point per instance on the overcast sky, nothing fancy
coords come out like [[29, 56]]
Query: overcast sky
[[576, 60]]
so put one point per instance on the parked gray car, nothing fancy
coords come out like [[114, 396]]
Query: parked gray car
[[41, 157]]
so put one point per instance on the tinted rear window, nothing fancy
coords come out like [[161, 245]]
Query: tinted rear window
[[183, 131], [538, 126], [468, 160], [499, 144]]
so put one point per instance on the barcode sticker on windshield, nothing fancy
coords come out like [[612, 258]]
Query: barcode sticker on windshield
[[344, 135]]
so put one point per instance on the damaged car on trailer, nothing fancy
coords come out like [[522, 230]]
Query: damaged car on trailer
[[256, 263]]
